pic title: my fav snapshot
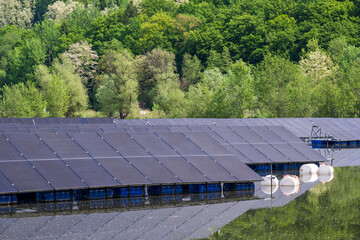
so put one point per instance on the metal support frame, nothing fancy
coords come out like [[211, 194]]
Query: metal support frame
[[321, 134]]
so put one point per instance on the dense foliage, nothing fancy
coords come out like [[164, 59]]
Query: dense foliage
[[202, 58]]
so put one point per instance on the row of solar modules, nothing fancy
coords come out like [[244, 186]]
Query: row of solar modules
[[54, 121], [252, 144], [42, 162], [301, 127], [344, 129]]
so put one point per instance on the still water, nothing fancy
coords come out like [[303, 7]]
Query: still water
[[325, 211]]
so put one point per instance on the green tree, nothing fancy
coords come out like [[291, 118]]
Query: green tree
[[191, 71], [118, 87], [63, 88], [151, 7], [78, 99], [22, 100], [48, 34], [154, 68], [23, 61], [272, 77]]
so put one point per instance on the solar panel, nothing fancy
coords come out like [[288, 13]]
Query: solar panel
[[228, 135], [207, 130], [113, 129], [58, 174], [210, 168], [139, 129], [63, 146], [271, 153], [180, 143], [284, 134], [158, 128], [290, 152], [67, 130], [153, 170], [182, 169], [179, 129], [91, 172], [124, 172], [153, 144], [94, 145], [206, 142], [7, 151], [24, 177], [250, 152], [248, 135], [90, 129], [41, 130], [124, 144], [238, 169], [266, 134], [238, 154], [31, 146], [15, 131], [308, 152], [5, 185]]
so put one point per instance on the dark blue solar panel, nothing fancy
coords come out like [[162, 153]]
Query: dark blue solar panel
[[123, 171], [183, 169], [210, 168], [124, 144], [31, 146], [58, 174], [91, 172], [7, 151], [153, 170], [94, 145], [271, 153], [153, 144], [180, 143], [237, 168], [207, 143], [266, 134], [5, 185], [248, 135], [284, 134], [63, 146], [24, 177], [228, 135], [251, 153]]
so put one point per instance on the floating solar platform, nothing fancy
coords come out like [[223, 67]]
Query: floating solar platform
[[100, 158]]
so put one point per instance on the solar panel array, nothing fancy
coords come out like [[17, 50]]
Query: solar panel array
[[48, 161], [57, 154]]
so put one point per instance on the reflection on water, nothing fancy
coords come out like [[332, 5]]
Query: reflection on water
[[123, 204], [326, 211]]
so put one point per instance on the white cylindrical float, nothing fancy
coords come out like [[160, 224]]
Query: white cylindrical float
[[326, 173], [307, 177], [324, 178], [290, 185], [309, 168], [325, 169], [268, 185]]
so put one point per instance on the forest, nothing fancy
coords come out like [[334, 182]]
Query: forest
[[194, 59]]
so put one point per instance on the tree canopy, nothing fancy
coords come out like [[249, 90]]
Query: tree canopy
[[208, 58]]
